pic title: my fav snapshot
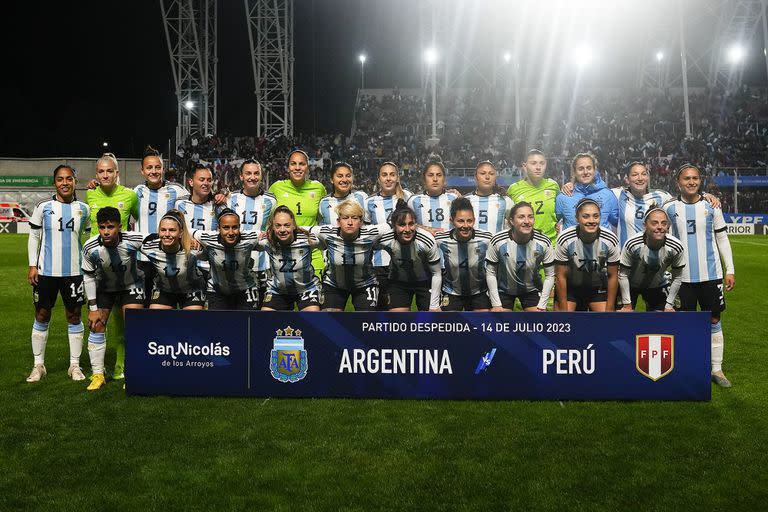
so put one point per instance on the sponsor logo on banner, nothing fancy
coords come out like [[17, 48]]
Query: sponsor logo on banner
[[654, 355], [740, 229], [288, 362]]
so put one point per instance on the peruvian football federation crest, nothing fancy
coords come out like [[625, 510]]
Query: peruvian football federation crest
[[289, 359], [654, 355]]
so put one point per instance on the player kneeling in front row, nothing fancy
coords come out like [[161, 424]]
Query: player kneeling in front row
[[228, 250], [289, 248], [702, 231], [514, 261], [349, 249], [644, 261], [111, 277], [414, 263], [178, 281], [54, 253], [587, 260], [463, 250]]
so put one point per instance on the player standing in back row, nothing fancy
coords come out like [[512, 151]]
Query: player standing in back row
[[539, 191]]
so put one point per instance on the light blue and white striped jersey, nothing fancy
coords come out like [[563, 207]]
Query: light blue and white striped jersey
[[490, 211], [348, 264], [230, 265], [292, 270], [153, 204], [410, 262], [59, 226], [377, 211], [587, 262], [434, 212], [199, 217], [647, 267], [114, 268], [463, 262], [175, 272], [695, 225], [632, 210], [254, 213], [518, 265], [326, 212]]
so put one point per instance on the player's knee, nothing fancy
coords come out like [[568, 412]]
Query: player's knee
[[43, 315], [73, 317]]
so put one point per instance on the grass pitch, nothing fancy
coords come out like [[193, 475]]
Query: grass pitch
[[62, 448]]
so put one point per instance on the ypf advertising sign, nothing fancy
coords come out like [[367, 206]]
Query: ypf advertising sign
[[563, 356]]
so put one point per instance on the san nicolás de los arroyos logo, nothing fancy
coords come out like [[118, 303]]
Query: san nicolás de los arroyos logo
[[288, 362]]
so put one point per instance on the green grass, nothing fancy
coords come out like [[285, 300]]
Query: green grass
[[62, 448]]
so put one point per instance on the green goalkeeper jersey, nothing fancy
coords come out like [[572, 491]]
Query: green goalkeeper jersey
[[304, 201], [122, 198], [542, 198]]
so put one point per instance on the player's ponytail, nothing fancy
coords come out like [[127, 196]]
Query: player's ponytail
[[399, 193]]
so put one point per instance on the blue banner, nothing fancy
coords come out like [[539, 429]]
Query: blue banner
[[726, 180], [746, 218], [497, 356]]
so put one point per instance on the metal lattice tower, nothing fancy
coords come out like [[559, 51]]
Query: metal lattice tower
[[270, 32], [737, 23], [190, 32]]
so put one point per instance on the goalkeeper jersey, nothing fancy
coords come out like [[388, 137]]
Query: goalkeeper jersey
[[122, 198], [304, 201], [542, 198]]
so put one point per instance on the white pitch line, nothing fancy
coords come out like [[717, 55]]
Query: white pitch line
[[737, 241]]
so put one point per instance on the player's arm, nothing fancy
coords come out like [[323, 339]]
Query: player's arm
[[493, 285], [674, 287], [546, 288], [613, 286], [626, 296], [724, 247], [437, 285], [33, 248], [561, 285]]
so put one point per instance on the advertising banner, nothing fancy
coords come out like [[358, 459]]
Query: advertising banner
[[481, 356]]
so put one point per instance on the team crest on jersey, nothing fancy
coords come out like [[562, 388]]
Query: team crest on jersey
[[312, 195], [548, 193], [654, 355], [120, 204], [289, 359]]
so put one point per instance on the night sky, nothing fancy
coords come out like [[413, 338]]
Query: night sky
[[79, 73]]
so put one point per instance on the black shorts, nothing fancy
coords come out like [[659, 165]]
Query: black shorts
[[363, 299], [179, 300], [528, 300], [382, 276], [401, 294], [707, 295], [108, 300], [48, 288], [245, 300], [465, 302], [583, 297], [149, 280], [280, 302], [655, 298]]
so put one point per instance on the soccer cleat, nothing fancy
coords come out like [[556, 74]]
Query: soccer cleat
[[119, 373], [75, 372], [97, 381], [721, 380], [38, 372]]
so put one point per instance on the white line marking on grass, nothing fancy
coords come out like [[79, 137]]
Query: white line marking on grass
[[737, 241], [265, 401], [562, 405]]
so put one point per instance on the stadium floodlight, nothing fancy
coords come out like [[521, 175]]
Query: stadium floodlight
[[659, 56], [736, 53], [507, 57], [189, 104], [362, 58], [105, 144], [583, 56], [430, 56]]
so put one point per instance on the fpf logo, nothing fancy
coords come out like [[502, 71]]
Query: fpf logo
[[654, 355]]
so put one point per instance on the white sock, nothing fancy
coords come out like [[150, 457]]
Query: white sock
[[97, 348], [717, 347], [75, 334], [39, 339]]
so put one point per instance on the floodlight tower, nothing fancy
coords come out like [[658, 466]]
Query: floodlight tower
[[737, 24], [190, 33], [270, 33]]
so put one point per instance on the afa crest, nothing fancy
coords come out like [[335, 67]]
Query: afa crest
[[288, 362], [654, 355]]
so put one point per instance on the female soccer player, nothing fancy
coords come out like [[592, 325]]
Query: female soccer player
[[349, 247], [702, 231], [254, 206], [289, 249], [490, 206], [463, 251], [54, 253], [199, 209], [586, 259], [342, 181], [587, 183], [415, 263], [514, 261], [644, 262], [378, 208], [109, 192], [111, 279], [178, 281], [432, 208], [301, 195], [232, 284], [539, 191]]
